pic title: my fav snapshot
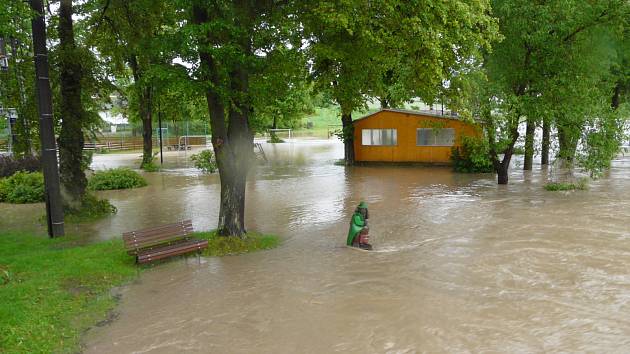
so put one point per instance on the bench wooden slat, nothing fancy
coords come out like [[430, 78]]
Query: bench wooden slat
[[172, 250], [162, 241], [150, 230], [140, 242]]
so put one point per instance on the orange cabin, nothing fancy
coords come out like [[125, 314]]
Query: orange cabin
[[393, 135]]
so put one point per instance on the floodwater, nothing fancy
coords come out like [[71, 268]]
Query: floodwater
[[461, 264]]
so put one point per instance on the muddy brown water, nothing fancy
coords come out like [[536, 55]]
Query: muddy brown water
[[462, 265]]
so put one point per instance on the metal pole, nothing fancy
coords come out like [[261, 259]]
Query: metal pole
[[160, 125], [54, 208]]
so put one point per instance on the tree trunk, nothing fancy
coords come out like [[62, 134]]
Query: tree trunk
[[146, 113], [567, 142], [529, 144], [502, 173], [384, 102], [348, 137], [546, 130], [71, 141], [233, 144], [145, 109]]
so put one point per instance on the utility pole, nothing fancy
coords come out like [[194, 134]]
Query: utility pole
[[54, 208]]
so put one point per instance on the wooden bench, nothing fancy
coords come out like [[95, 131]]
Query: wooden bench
[[164, 241]]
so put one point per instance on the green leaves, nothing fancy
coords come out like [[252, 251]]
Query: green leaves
[[116, 178]]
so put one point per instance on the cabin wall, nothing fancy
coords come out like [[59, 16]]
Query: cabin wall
[[406, 149]]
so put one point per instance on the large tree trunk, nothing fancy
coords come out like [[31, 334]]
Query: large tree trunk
[[529, 144], [348, 136], [233, 144], [145, 110], [146, 114], [71, 141], [546, 131]]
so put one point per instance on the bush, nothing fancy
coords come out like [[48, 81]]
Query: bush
[[472, 156], [581, 184], [204, 161], [90, 208], [273, 139], [116, 178], [22, 188], [150, 166], [10, 165]]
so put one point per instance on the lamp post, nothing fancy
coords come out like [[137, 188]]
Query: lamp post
[[54, 208]]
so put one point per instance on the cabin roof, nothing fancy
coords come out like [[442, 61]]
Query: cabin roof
[[430, 113]]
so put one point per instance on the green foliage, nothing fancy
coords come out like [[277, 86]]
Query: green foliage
[[274, 139], [150, 166], [223, 245], [22, 187], [55, 290], [90, 208], [582, 184], [473, 156], [116, 178], [204, 161]]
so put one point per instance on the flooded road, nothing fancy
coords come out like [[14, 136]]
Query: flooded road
[[462, 265]]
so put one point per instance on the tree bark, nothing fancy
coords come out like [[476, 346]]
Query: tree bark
[[71, 140], [348, 136], [232, 143], [529, 144], [546, 131], [146, 114], [145, 110]]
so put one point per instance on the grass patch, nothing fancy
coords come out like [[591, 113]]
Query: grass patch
[[223, 246], [116, 178], [52, 290], [581, 184]]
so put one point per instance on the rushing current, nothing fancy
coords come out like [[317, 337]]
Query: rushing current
[[461, 264]]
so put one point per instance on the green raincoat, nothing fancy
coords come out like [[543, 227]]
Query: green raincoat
[[356, 224]]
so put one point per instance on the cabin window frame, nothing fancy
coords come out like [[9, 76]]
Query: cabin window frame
[[380, 137], [435, 137]]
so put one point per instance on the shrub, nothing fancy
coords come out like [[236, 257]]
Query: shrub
[[273, 139], [90, 208], [581, 184], [204, 161], [472, 156], [9, 165], [22, 187], [116, 178], [150, 166]]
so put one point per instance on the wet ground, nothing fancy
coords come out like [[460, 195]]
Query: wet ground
[[462, 265]]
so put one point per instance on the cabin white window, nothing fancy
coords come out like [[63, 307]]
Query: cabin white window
[[435, 137], [379, 137]]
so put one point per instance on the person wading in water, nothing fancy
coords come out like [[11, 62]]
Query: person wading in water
[[358, 233]]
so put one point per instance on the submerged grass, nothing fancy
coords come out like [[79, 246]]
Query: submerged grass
[[581, 184], [51, 291], [223, 246]]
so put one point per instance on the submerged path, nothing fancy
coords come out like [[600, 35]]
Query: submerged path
[[462, 264]]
